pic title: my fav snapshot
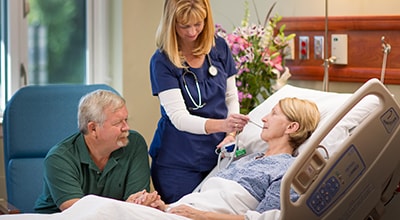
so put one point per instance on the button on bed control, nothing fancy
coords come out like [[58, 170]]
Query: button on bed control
[[320, 200], [341, 176]]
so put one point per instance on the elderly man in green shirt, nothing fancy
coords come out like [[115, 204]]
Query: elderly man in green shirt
[[105, 158]]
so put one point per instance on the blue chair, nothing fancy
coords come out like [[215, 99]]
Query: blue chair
[[35, 119]]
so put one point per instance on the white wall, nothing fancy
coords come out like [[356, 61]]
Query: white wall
[[140, 21]]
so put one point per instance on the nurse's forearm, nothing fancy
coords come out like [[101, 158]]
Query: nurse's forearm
[[231, 96], [215, 125]]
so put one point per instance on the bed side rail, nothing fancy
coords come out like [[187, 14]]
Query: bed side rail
[[360, 177]]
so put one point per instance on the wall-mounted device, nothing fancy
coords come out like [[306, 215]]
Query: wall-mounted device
[[318, 47], [304, 48], [339, 48]]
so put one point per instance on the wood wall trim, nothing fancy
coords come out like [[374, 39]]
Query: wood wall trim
[[365, 53]]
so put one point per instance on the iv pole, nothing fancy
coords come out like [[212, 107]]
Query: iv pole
[[386, 51], [325, 83]]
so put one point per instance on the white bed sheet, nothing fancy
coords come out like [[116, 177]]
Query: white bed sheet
[[218, 195], [99, 208]]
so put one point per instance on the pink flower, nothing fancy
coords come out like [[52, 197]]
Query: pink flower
[[277, 63], [257, 52]]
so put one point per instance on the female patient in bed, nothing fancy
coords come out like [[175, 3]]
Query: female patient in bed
[[286, 127]]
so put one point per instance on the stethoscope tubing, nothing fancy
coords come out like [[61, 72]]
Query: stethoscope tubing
[[198, 104], [212, 71]]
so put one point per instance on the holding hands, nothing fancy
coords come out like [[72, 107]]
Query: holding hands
[[154, 200], [147, 199]]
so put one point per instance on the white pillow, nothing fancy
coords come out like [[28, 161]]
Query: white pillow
[[327, 102]]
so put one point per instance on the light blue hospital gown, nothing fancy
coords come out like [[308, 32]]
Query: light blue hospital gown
[[261, 177]]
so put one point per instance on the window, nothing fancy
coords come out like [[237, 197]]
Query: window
[[53, 41], [56, 41]]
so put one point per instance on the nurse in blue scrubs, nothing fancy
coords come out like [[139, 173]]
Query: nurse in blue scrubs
[[193, 74]]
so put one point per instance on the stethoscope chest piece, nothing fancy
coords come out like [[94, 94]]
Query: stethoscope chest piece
[[213, 70]]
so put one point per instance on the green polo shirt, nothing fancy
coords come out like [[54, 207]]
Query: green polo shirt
[[69, 172]]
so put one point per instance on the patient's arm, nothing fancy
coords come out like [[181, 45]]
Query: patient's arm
[[195, 214], [68, 204]]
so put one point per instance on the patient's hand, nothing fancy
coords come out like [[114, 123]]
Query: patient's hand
[[196, 214], [143, 198], [159, 204], [228, 139], [147, 199], [189, 212]]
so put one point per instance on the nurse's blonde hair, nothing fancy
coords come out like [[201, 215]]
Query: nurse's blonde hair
[[184, 12]]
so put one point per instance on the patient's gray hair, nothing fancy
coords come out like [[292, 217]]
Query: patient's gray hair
[[92, 106]]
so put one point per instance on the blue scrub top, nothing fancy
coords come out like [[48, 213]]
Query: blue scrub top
[[179, 149]]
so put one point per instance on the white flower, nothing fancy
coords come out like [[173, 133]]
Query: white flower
[[281, 79]]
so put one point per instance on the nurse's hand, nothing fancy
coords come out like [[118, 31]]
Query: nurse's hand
[[236, 122]]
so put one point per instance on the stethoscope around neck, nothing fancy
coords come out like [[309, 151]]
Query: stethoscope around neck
[[212, 70]]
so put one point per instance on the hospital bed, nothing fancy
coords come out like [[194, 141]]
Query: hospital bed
[[348, 169], [360, 175]]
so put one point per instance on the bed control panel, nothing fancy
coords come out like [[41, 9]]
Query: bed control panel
[[343, 174], [308, 173]]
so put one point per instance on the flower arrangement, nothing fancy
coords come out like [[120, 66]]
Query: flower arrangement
[[258, 51]]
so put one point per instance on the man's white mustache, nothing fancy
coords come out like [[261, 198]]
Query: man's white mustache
[[125, 134]]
